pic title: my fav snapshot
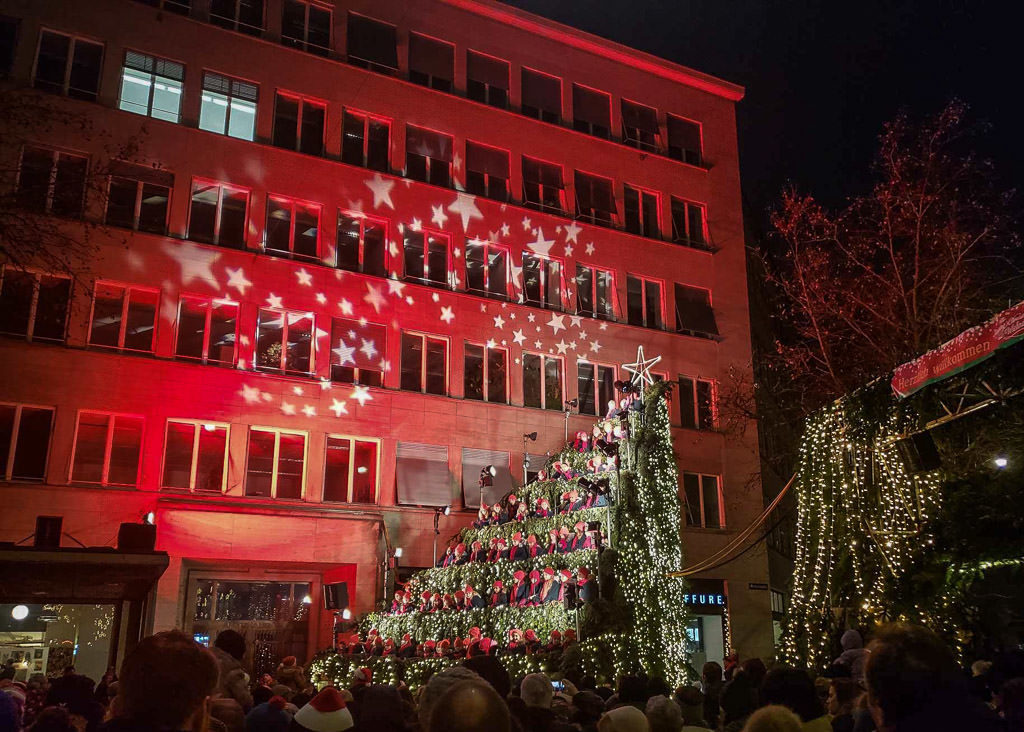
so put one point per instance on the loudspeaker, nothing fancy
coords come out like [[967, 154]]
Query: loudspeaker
[[48, 532], [919, 453], [136, 538], [336, 596]]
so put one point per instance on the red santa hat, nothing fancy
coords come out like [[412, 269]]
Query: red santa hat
[[548, 572], [485, 645], [565, 496], [469, 589], [555, 635], [447, 597], [512, 498], [494, 541], [519, 575], [502, 542], [513, 633], [553, 532], [430, 644], [477, 546], [460, 596], [564, 531], [436, 596], [531, 635], [569, 635], [498, 585], [566, 575], [373, 631], [425, 594], [460, 548], [483, 506], [446, 644], [406, 638], [474, 632], [325, 712], [534, 575], [531, 539], [518, 536], [544, 502], [580, 526]]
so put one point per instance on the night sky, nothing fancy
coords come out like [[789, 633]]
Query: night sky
[[822, 77]]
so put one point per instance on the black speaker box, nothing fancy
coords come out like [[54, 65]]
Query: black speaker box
[[919, 453], [136, 538]]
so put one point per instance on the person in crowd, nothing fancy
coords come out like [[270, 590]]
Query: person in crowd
[[535, 712], [491, 670], [548, 590], [522, 512], [565, 578], [623, 719], [499, 597], [233, 698], [448, 601], [498, 515], [854, 654], [51, 719], [711, 677], [755, 669], [35, 697], [1010, 704], [794, 689], [269, 716], [461, 555], [543, 509], [473, 600], [384, 709], [512, 505], [568, 638], [483, 516], [732, 665], [325, 712], [533, 591], [516, 646], [554, 642], [691, 705], [531, 641], [738, 701], [552, 546], [9, 670], [586, 587], [436, 687], [518, 549], [533, 549], [563, 540], [109, 677], [520, 589], [445, 559], [663, 715], [291, 674], [773, 718], [408, 647], [587, 708], [842, 697], [470, 706], [436, 602], [580, 540], [478, 553]]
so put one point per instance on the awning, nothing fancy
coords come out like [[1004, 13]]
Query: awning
[[98, 575]]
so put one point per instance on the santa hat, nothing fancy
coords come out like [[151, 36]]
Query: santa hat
[[474, 632], [373, 631], [518, 536], [458, 642], [445, 643], [534, 575], [531, 539], [460, 595], [494, 541], [580, 526], [469, 589], [569, 635], [430, 644], [564, 531], [566, 575], [406, 638], [289, 661], [519, 575], [553, 532], [363, 674], [555, 635], [485, 645], [544, 502], [460, 548], [531, 635], [498, 585], [502, 542], [583, 572], [447, 597], [565, 495], [425, 594], [522, 507], [477, 545], [483, 506], [436, 596], [548, 572], [512, 498]]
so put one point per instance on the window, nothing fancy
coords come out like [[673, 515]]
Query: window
[[428, 156], [276, 467], [594, 200], [207, 330], [357, 352], [293, 228], [595, 292], [542, 282], [218, 214], [180, 7], [365, 141], [431, 62], [591, 111], [426, 258], [107, 449], [696, 403], [362, 244], [284, 341], [643, 302], [542, 186], [639, 126], [424, 364], [542, 382], [595, 387], [24, 441], [487, 171], [684, 140], [52, 182], [703, 501], [372, 45], [299, 124], [689, 223], [422, 477], [778, 602], [196, 456], [240, 15], [33, 305], [641, 209], [694, 315], [228, 106], [139, 204], [8, 42], [123, 317], [486, 269], [487, 79], [307, 26], [151, 86], [485, 376], [69, 66], [542, 96], [351, 469]]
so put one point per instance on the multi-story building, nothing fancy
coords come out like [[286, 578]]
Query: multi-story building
[[346, 255]]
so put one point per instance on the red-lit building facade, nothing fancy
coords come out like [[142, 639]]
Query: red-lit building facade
[[361, 250]]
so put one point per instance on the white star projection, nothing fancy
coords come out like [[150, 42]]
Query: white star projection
[[499, 322], [374, 297], [527, 224], [305, 278], [338, 408], [440, 217], [381, 188], [447, 315], [361, 394], [273, 301], [344, 353], [556, 323], [518, 337], [541, 245], [237, 279], [590, 249], [196, 261], [465, 206], [572, 231]]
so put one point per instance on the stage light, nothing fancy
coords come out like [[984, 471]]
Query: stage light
[[346, 614], [362, 469], [1001, 462], [209, 427], [307, 600], [19, 612], [149, 518], [398, 552], [572, 404]]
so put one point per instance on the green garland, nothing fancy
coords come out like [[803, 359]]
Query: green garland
[[481, 575]]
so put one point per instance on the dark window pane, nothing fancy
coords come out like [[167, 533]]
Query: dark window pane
[[269, 339], [474, 372], [687, 410], [259, 473], [213, 443], [437, 371], [291, 455], [33, 444], [585, 380], [52, 61], [90, 447], [412, 362], [300, 339], [312, 129], [232, 218], [84, 82], [705, 415], [336, 469], [52, 308], [106, 316], [691, 488], [223, 327], [476, 275], [69, 185], [16, 301], [712, 517], [497, 389], [319, 30], [353, 130], [652, 302], [141, 323], [34, 178], [153, 208], [202, 220], [552, 384], [348, 243], [307, 230], [178, 455], [121, 202], [605, 387], [584, 290], [286, 122], [7, 416], [374, 248], [531, 380], [279, 225], [191, 328], [437, 264], [377, 146], [364, 479], [497, 272], [125, 448], [415, 266]]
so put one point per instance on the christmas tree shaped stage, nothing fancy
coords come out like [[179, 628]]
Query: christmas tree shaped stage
[[638, 620]]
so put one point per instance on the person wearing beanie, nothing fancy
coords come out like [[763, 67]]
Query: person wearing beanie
[[552, 545], [291, 674], [568, 638], [533, 596], [425, 601], [448, 602], [461, 555], [520, 591], [499, 598], [531, 641], [580, 540], [233, 698], [586, 587], [549, 589], [459, 600], [325, 712], [482, 517], [543, 509], [563, 540], [494, 551], [446, 560], [270, 716], [854, 655], [554, 642], [436, 602], [502, 548], [518, 550], [473, 600], [515, 642], [522, 512], [479, 554], [533, 549]]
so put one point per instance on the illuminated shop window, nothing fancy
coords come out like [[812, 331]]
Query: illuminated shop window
[[351, 470], [591, 111], [595, 387], [151, 86], [34, 305], [487, 79], [543, 188], [24, 441], [284, 341], [196, 456], [595, 292], [218, 214], [487, 271], [52, 181], [428, 156], [431, 62], [426, 257], [689, 223], [207, 330], [694, 315], [704, 505], [228, 106], [486, 373], [684, 140], [372, 44], [276, 464], [68, 65], [357, 352], [365, 141], [306, 25], [542, 282], [696, 403], [107, 448], [487, 171], [542, 382], [424, 364], [542, 96], [641, 212], [362, 244], [124, 317], [640, 126], [299, 124], [137, 204], [643, 302], [595, 202], [245, 16], [293, 228]]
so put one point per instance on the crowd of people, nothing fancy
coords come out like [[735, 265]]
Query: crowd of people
[[519, 642]]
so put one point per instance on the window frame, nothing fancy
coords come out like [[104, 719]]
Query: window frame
[[643, 296], [544, 357], [137, 212], [641, 228], [485, 384], [7, 470], [219, 212], [424, 337], [236, 23], [304, 44], [352, 440], [282, 367], [487, 88], [153, 78], [293, 205], [275, 474], [229, 96], [591, 128], [704, 425], [209, 303], [599, 404], [366, 63], [703, 514], [199, 425], [704, 242], [612, 292], [366, 119], [69, 62], [362, 219], [592, 215], [336, 321], [487, 247], [428, 80], [426, 280], [636, 140], [506, 187], [542, 188], [51, 189], [545, 281], [429, 161], [105, 477], [37, 277], [669, 151], [544, 115], [302, 101], [125, 305]]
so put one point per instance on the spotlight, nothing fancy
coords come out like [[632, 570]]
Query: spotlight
[[149, 518], [346, 614], [1001, 462], [398, 552], [19, 612], [532, 436], [209, 427], [572, 404], [446, 510], [307, 600]]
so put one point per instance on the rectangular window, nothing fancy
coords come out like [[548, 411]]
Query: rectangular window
[[107, 449], [228, 106], [52, 182], [306, 25], [151, 86], [351, 470], [684, 140], [276, 465], [431, 62], [34, 305], [179, 7], [595, 292], [689, 223], [299, 124], [357, 352], [426, 258], [694, 315], [487, 171], [485, 374], [428, 156], [643, 302], [542, 96], [245, 16], [24, 441], [365, 141], [542, 382], [69, 66], [372, 44], [596, 387], [8, 42], [218, 214], [641, 209], [704, 505], [543, 188], [284, 341], [486, 269], [137, 204], [542, 282], [207, 330], [696, 403], [124, 317], [362, 244], [487, 79], [424, 364], [293, 228], [591, 111], [639, 126], [595, 202], [196, 456]]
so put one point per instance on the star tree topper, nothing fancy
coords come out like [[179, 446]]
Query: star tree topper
[[641, 368]]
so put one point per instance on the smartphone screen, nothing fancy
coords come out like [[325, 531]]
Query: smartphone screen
[[558, 685]]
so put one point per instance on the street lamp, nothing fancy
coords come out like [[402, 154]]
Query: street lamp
[[1001, 462]]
